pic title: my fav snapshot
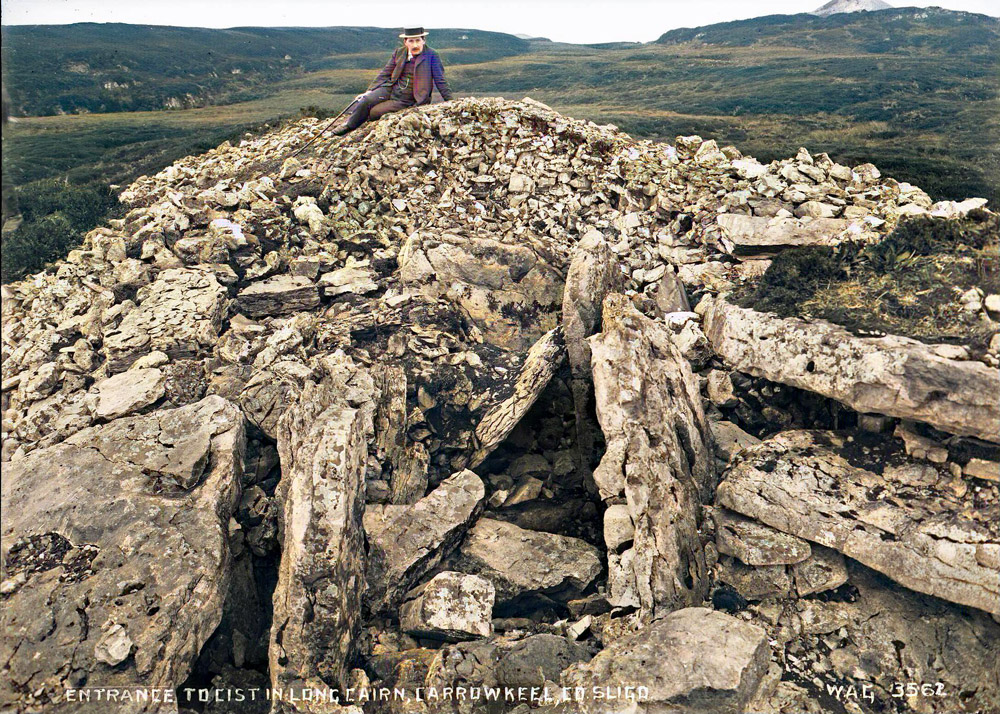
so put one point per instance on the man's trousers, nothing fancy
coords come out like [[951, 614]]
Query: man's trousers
[[373, 105]]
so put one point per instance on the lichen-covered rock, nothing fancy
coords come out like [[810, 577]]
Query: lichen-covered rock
[[692, 661], [878, 636], [930, 542], [593, 274], [128, 392], [659, 457], [886, 375], [450, 606], [754, 543], [322, 441], [116, 555]]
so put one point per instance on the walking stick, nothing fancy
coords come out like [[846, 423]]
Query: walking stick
[[323, 130]]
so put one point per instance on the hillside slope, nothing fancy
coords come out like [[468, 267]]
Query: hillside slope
[[56, 69]]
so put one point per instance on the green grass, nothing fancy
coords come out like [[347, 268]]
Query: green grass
[[907, 284]]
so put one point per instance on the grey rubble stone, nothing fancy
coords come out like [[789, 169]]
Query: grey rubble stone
[[658, 457], [280, 295], [317, 601], [593, 274], [887, 375], [920, 539], [179, 314], [406, 541], [816, 209], [535, 659], [519, 561], [508, 290], [128, 392], [755, 582], [758, 236], [825, 569], [450, 606], [754, 543], [694, 661], [128, 570], [730, 439], [618, 526]]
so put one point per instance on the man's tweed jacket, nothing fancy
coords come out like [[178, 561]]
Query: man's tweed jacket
[[428, 72]]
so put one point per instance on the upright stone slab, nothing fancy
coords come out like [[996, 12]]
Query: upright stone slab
[[659, 457], [594, 272], [317, 603]]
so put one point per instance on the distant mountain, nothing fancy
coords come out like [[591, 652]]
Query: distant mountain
[[838, 6], [904, 30]]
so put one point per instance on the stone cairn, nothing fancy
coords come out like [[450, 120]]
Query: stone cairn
[[429, 412]]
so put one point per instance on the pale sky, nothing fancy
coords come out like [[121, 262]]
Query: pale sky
[[578, 21]]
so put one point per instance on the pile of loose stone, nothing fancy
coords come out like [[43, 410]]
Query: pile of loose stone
[[429, 410]]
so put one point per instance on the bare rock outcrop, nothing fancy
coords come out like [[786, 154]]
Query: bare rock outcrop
[[92, 529], [884, 375], [934, 543]]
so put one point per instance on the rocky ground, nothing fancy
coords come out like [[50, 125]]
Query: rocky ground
[[459, 402]]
